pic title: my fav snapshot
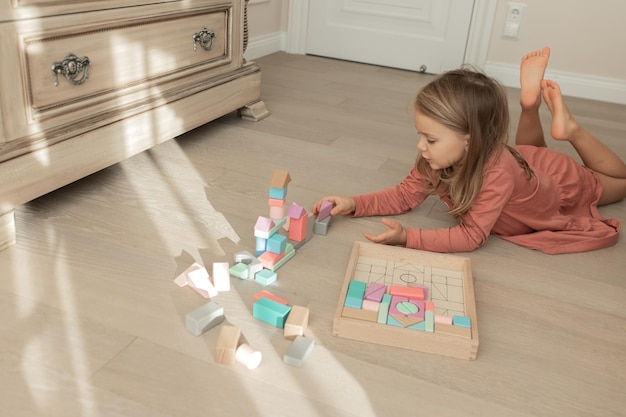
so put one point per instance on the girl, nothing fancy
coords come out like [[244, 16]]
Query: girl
[[527, 194]]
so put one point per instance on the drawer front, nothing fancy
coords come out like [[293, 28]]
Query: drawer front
[[126, 61], [117, 56]]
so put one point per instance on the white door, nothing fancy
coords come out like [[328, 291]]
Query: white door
[[419, 35]]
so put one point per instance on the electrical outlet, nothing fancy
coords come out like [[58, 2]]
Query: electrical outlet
[[514, 17]]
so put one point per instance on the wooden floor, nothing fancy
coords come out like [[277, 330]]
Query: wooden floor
[[93, 324]]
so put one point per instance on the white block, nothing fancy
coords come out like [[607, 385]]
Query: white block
[[221, 276]]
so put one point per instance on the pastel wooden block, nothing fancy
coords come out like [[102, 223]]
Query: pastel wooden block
[[297, 322], [449, 329], [276, 202], [254, 267], [421, 326], [320, 227], [226, 345], [462, 321], [199, 280], [221, 276], [240, 270], [261, 245], [443, 319], [244, 257], [360, 314], [267, 294], [356, 292], [181, 280], [416, 293], [383, 310], [403, 306], [278, 193], [296, 211], [290, 252], [248, 356], [266, 277], [280, 178], [204, 318], [325, 209], [429, 306], [375, 291], [277, 243], [271, 312], [298, 228], [299, 351], [268, 259], [370, 305], [276, 212], [406, 321], [429, 321], [263, 226]]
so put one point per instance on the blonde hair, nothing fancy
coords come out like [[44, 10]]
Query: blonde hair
[[470, 103]]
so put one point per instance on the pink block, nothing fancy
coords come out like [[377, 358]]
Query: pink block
[[403, 306], [325, 209], [298, 228], [370, 305], [276, 212], [375, 291], [276, 202], [268, 259], [443, 319]]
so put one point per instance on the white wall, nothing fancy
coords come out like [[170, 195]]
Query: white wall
[[587, 59]]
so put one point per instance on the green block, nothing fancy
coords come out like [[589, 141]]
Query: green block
[[271, 312], [383, 310], [356, 292], [265, 276], [429, 320], [239, 270]]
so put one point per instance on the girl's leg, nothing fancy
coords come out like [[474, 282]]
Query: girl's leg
[[594, 154], [532, 68]]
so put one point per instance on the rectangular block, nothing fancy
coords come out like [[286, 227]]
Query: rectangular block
[[269, 295], [360, 314], [204, 318], [355, 294], [383, 310], [226, 345], [297, 322], [271, 312], [299, 351], [221, 276], [416, 293], [266, 277]]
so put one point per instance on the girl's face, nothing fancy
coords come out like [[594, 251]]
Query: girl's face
[[439, 145]]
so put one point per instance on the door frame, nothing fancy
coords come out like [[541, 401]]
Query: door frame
[[478, 38]]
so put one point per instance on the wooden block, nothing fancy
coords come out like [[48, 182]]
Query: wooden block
[[269, 295], [443, 319], [325, 209], [402, 306], [359, 314], [204, 318], [277, 243], [443, 328], [266, 277], [226, 345], [244, 257], [240, 270], [375, 291], [415, 293], [298, 228], [276, 212], [356, 292], [320, 227], [221, 276], [299, 351], [268, 259], [371, 305], [297, 322], [290, 252], [429, 306], [248, 356], [405, 321], [276, 202], [181, 280], [461, 321], [280, 178], [199, 281], [383, 310], [278, 193], [271, 312], [429, 321]]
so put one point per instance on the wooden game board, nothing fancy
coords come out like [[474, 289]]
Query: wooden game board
[[448, 279]]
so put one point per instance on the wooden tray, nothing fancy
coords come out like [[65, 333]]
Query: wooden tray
[[450, 287]]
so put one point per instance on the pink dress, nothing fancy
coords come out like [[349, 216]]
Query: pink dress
[[556, 212]]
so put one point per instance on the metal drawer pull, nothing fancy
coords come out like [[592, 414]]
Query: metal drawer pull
[[205, 38], [71, 67]]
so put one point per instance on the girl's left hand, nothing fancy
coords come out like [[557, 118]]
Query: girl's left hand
[[394, 235]]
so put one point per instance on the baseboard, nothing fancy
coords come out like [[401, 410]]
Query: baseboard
[[574, 85], [265, 45]]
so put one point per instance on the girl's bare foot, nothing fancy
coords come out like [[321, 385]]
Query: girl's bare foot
[[532, 68], [563, 124]]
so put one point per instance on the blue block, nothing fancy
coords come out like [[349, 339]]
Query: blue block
[[462, 321], [271, 312], [277, 243], [278, 193], [356, 292]]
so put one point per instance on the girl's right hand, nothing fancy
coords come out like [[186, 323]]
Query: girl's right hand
[[341, 205]]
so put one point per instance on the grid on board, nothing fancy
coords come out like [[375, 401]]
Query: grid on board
[[445, 286]]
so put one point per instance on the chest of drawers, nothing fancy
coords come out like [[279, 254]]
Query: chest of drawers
[[85, 84]]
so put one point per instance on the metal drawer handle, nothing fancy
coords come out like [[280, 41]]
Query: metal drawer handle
[[205, 38], [71, 67]]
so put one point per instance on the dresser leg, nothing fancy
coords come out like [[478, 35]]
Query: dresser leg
[[7, 230], [254, 111]]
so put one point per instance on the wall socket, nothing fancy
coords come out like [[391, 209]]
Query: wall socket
[[514, 17]]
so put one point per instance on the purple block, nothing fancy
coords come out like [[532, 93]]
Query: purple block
[[325, 209], [375, 292]]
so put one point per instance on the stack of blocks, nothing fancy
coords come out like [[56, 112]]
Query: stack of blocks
[[292, 319], [400, 306]]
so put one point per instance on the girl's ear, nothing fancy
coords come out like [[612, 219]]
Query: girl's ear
[[467, 142]]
